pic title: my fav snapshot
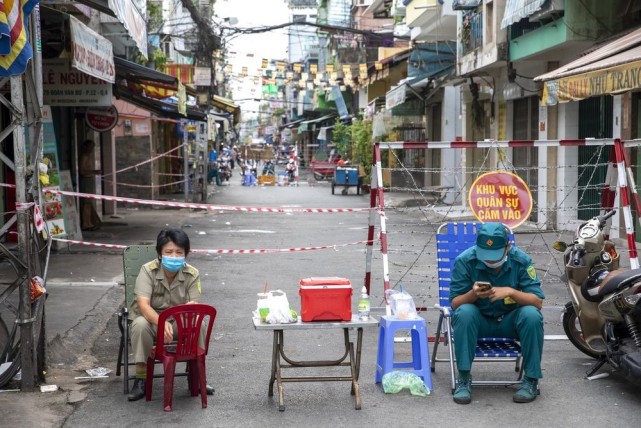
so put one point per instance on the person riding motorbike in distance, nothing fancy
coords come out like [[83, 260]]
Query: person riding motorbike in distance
[[268, 169], [495, 292]]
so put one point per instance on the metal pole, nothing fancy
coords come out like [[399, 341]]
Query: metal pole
[[26, 326], [183, 123]]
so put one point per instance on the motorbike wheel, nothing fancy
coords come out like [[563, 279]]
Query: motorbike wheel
[[572, 329]]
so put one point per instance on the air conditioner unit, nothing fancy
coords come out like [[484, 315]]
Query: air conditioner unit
[[550, 10]]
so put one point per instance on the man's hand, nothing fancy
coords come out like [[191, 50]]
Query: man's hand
[[500, 293], [523, 299], [480, 293], [169, 332]]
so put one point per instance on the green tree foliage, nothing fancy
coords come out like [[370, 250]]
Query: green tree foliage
[[154, 16], [362, 145], [354, 142], [342, 139]]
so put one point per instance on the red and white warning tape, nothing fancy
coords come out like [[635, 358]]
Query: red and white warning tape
[[147, 161], [222, 251], [207, 206], [202, 206], [146, 186]]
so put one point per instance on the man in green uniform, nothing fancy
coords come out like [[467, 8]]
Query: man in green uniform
[[162, 283], [495, 292]]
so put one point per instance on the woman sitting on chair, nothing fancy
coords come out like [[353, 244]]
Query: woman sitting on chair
[[162, 283]]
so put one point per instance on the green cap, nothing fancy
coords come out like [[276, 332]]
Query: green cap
[[491, 240]]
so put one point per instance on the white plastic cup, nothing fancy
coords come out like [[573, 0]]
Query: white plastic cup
[[262, 306]]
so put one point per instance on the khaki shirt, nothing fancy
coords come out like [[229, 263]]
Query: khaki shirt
[[152, 284]]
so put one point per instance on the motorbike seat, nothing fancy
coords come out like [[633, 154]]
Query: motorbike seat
[[618, 280]]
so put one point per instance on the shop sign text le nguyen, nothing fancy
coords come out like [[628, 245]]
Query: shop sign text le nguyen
[[500, 196]]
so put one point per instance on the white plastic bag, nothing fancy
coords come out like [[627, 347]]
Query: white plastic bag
[[402, 304], [279, 310]]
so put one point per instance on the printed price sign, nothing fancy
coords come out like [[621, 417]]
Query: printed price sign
[[500, 196]]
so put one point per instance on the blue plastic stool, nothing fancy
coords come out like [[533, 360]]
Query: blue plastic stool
[[420, 364]]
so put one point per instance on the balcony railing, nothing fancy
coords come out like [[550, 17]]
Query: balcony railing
[[471, 32], [522, 27]]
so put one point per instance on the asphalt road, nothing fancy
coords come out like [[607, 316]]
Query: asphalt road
[[239, 360]]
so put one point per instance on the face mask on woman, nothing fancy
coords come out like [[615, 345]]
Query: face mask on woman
[[172, 264]]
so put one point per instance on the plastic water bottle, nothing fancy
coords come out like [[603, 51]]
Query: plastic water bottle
[[363, 305]]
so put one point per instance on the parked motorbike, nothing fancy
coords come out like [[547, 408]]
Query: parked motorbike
[[603, 317], [224, 169]]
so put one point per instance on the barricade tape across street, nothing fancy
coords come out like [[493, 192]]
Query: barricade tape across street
[[201, 206], [207, 206], [228, 251]]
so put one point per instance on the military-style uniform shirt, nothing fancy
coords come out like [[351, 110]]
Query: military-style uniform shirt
[[152, 284], [517, 272]]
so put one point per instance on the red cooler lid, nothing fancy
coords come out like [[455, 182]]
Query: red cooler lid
[[324, 280]]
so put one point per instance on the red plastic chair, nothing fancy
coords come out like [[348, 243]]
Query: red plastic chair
[[189, 319]]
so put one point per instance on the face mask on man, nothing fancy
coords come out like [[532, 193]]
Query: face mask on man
[[494, 265], [172, 264]]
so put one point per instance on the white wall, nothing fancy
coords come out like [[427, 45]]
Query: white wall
[[451, 127], [566, 194]]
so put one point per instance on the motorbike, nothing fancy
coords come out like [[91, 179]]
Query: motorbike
[[603, 317], [224, 170], [269, 169]]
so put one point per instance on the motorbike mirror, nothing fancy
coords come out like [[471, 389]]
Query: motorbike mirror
[[560, 246]]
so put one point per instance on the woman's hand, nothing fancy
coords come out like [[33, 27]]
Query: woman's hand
[[169, 332]]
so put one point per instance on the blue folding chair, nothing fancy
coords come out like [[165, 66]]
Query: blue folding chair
[[451, 240]]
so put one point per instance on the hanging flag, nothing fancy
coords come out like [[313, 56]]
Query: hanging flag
[[15, 49], [297, 68], [347, 69], [280, 66], [313, 68], [329, 68], [264, 63]]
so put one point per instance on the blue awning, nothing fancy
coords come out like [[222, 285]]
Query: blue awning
[[431, 60], [515, 10]]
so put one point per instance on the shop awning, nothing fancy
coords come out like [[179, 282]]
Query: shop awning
[[226, 105], [515, 10], [136, 73], [428, 62], [611, 69], [292, 123], [305, 125], [156, 106], [126, 16]]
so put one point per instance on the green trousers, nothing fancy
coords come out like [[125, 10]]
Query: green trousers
[[524, 323]]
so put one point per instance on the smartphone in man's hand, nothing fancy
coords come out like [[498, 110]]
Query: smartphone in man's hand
[[484, 286]]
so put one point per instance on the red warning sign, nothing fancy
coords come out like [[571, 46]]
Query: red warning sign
[[500, 196]]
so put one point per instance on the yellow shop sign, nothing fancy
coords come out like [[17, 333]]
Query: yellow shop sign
[[612, 80]]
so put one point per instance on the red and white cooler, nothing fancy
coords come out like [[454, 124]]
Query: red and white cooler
[[325, 299]]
